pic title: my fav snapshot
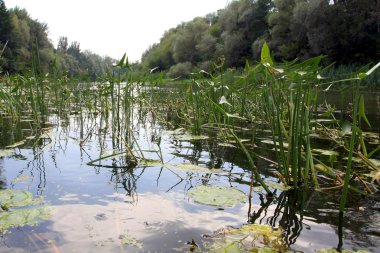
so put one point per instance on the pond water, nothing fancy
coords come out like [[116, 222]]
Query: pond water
[[119, 206]]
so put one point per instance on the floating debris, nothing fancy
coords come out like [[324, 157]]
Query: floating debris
[[128, 239]]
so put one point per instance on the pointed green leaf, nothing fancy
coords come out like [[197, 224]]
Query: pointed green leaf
[[265, 55], [121, 62], [362, 111]]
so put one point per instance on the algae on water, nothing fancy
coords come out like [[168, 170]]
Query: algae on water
[[249, 238], [16, 211]]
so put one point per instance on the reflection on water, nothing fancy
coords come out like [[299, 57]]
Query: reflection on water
[[118, 205]]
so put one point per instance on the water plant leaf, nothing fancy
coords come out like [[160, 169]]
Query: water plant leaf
[[236, 116], [15, 145], [286, 145], [6, 152], [278, 186], [21, 179], [23, 217], [250, 238], [190, 137], [150, 162], [226, 144], [217, 196], [265, 55], [325, 152], [325, 170], [362, 110], [188, 167], [17, 198]]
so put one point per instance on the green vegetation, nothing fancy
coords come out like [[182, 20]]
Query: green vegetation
[[13, 212], [345, 31], [266, 103], [26, 49]]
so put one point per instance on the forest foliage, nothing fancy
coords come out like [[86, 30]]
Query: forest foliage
[[346, 31], [25, 47]]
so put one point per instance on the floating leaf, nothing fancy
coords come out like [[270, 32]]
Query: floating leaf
[[225, 144], [15, 145], [217, 196], [286, 145], [6, 152], [150, 163], [17, 198], [236, 116], [21, 179], [325, 152], [190, 137], [250, 238], [188, 167], [23, 217], [278, 186], [323, 121], [178, 131]]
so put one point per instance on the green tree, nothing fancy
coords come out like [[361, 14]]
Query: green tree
[[185, 43], [63, 44], [5, 24], [243, 22]]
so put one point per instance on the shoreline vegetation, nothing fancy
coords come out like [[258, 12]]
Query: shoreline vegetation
[[217, 88]]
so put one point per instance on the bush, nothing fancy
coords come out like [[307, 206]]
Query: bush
[[180, 70]]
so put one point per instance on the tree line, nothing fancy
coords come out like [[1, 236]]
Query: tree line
[[346, 31], [25, 47]]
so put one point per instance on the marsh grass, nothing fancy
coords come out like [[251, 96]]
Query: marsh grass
[[279, 97]]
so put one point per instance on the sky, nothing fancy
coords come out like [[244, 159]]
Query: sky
[[114, 27]]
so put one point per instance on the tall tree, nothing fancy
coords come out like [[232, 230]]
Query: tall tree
[[5, 23], [63, 44]]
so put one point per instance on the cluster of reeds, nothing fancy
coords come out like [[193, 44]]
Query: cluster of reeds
[[279, 97]]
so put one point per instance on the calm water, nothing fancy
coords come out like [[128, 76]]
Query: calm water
[[95, 207]]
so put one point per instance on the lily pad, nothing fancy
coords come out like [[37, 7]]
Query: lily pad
[[325, 152], [150, 163], [217, 196], [17, 198], [188, 167], [23, 217], [6, 152], [190, 137], [278, 186]]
